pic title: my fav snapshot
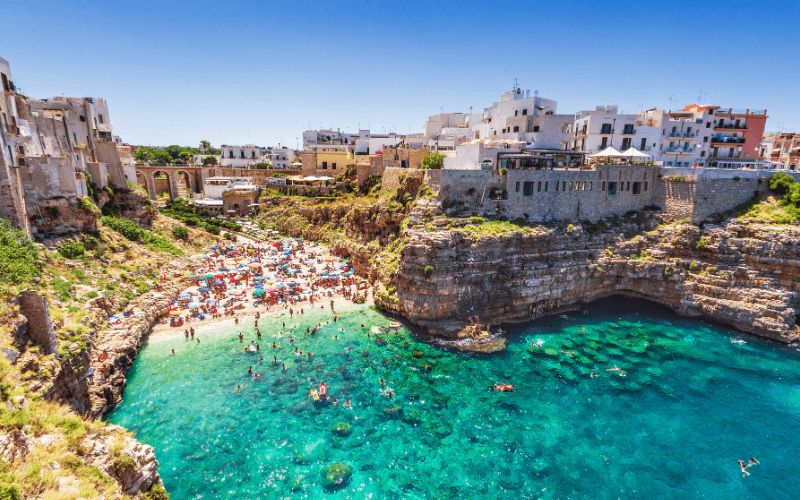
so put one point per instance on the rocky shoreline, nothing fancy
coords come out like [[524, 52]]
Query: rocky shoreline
[[737, 275]]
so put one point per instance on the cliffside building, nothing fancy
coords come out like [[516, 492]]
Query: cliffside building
[[48, 148]]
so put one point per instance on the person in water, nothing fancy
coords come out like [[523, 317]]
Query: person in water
[[752, 462], [744, 468], [173, 352]]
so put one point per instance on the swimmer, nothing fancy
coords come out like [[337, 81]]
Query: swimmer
[[382, 382], [250, 370], [256, 376], [261, 358], [186, 333], [744, 468], [347, 404], [592, 375], [173, 351], [283, 366], [238, 388], [273, 345], [336, 401], [291, 339], [335, 337], [753, 461], [275, 360], [615, 369], [309, 355], [198, 340]]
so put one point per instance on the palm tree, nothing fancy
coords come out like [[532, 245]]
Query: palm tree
[[205, 146]]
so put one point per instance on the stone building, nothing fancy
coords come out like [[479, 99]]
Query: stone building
[[48, 147]]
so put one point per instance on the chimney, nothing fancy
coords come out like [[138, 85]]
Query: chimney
[[527, 93]]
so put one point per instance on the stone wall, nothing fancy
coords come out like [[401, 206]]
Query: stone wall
[[40, 325], [579, 194], [392, 177], [364, 170]]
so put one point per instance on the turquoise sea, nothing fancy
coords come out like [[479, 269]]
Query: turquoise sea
[[692, 404]]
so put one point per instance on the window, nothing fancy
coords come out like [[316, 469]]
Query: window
[[612, 188], [626, 143], [324, 165], [539, 187], [606, 128], [253, 153], [403, 163], [643, 145], [708, 125], [333, 166], [516, 128], [230, 154], [564, 186], [83, 118], [604, 143], [590, 185], [628, 129], [629, 186], [527, 188], [536, 128], [515, 112], [517, 187], [5, 83], [702, 153], [645, 186], [524, 112], [705, 139], [570, 185], [241, 154], [603, 186], [556, 186], [637, 188], [545, 185], [101, 119]]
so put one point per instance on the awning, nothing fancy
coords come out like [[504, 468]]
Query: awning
[[634, 153]]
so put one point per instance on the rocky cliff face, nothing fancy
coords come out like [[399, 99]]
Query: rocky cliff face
[[732, 274]]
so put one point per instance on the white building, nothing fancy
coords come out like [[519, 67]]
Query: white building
[[241, 156], [213, 187], [282, 157], [364, 142], [603, 127]]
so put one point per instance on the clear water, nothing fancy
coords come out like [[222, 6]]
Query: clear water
[[692, 404]]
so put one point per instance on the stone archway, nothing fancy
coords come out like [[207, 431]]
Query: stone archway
[[164, 185], [141, 179]]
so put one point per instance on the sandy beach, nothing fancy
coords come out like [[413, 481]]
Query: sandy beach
[[243, 294]]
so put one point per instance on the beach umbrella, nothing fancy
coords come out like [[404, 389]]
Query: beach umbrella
[[258, 285], [205, 289], [218, 282], [279, 286], [194, 305], [224, 269], [209, 276], [175, 313], [270, 289], [213, 248], [258, 291], [218, 276]]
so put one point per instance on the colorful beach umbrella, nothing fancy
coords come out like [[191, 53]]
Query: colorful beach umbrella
[[258, 291]]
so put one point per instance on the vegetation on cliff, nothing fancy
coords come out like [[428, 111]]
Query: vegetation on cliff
[[781, 207]]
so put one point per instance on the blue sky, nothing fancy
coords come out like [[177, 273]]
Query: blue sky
[[261, 72]]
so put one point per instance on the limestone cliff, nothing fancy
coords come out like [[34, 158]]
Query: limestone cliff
[[732, 274]]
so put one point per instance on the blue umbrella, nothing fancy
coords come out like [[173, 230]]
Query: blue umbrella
[[204, 290], [213, 248], [258, 285]]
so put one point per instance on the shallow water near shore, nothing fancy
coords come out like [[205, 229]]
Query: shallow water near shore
[[692, 404]]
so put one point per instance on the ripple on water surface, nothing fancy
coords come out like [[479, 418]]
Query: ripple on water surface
[[691, 404]]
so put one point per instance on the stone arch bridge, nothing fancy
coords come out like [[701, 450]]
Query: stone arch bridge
[[179, 179]]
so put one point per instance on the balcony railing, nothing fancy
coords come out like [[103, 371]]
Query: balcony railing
[[728, 140], [686, 135], [629, 132], [725, 155], [679, 150], [730, 127]]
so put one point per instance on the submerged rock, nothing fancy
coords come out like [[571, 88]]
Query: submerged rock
[[337, 476], [342, 429]]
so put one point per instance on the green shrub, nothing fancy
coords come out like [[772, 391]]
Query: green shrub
[[124, 463], [693, 266], [157, 492], [133, 232], [72, 249], [180, 232], [477, 220], [8, 489], [428, 270], [19, 258], [701, 245], [781, 182]]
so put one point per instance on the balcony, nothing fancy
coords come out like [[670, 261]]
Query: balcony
[[723, 156], [80, 145], [683, 135], [675, 150], [629, 132], [730, 127], [727, 140]]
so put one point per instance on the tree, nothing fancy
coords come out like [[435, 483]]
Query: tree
[[433, 161], [205, 146], [210, 160]]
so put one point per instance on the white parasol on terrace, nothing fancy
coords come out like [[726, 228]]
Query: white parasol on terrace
[[609, 152], [634, 153]]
